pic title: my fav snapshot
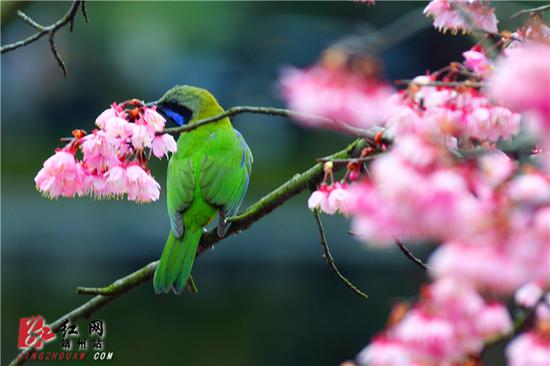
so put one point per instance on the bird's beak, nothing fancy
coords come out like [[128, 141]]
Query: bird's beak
[[151, 104]]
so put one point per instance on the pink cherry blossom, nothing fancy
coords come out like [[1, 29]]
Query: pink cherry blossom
[[336, 94], [530, 188], [114, 160], [477, 61], [521, 81], [447, 113], [448, 15], [153, 119], [60, 176], [529, 349], [542, 223], [117, 127], [387, 206], [113, 111], [383, 352], [98, 150], [141, 138], [115, 180], [493, 321], [95, 184], [163, 144], [450, 322], [480, 264], [496, 167], [330, 198], [528, 295], [140, 186]]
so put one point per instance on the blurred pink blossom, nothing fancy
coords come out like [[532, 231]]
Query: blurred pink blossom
[[337, 94], [388, 205], [450, 322], [383, 351], [530, 188], [456, 15], [529, 349], [477, 61], [528, 295], [521, 81]]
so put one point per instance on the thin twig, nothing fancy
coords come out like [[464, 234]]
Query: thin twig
[[532, 11], [85, 11], [368, 134], [330, 259], [466, 83], [51, 30], [348, 160], [264, 206], [411, 256]]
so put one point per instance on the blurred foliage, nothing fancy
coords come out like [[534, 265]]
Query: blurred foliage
[[266, 297]]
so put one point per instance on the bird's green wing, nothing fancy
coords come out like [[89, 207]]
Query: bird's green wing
[[225, 174], [180, 186]]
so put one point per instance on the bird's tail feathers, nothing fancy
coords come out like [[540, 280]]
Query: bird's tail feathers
[[176, 262]]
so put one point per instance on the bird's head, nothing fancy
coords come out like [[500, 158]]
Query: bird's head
[[183, 103]]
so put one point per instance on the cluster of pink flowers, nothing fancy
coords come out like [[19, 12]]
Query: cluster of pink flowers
[[416, 176], [330, 199], [337, 93], [114, 157], [489, 212], [476, 60], [449, 112], [449, 322], [521, 81], [444, 180], [462, 15]]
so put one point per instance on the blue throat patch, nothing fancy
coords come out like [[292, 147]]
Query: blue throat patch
[[174, 116]]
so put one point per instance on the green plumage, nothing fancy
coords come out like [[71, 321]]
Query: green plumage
[[207, 175]]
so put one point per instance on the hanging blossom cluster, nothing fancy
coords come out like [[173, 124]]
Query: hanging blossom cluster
[[444, 180], [112, 160], [449, 112], [462, 15], [449, 321]]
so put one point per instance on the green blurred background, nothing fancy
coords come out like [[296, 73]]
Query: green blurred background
[[266, 297]]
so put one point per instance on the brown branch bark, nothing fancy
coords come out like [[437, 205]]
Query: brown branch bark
[[49, 30]]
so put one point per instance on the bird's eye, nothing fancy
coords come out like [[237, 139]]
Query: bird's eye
[[176, 113]]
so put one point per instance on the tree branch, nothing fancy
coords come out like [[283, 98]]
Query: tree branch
[[330, 260], [467, 83], [51, 30], [533, 11], [264, 206], [411, 256], [343, 127]]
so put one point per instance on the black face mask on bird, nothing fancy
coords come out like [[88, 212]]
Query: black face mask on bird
[[175, 113]]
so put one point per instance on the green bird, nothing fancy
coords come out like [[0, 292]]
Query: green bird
[[207, 176]]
